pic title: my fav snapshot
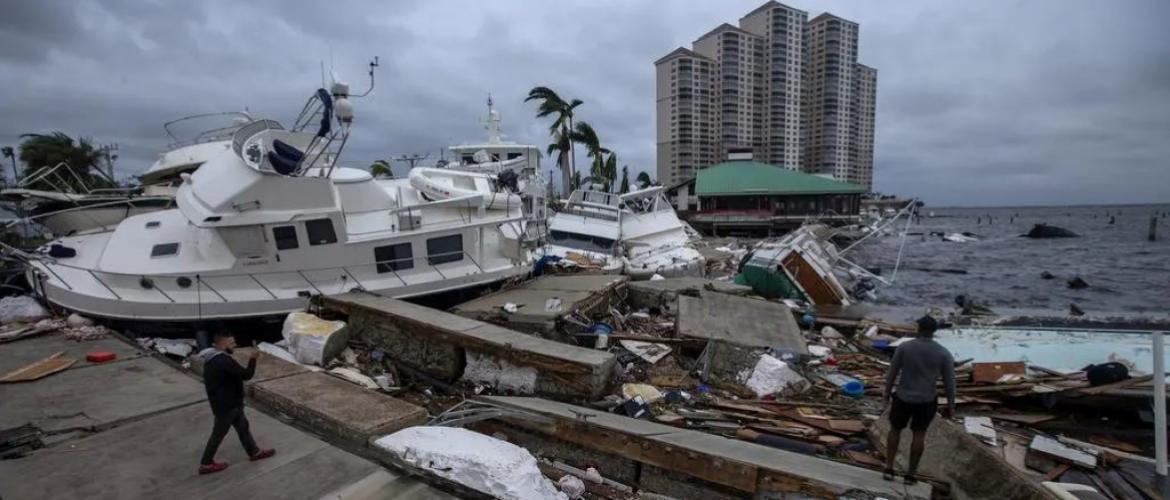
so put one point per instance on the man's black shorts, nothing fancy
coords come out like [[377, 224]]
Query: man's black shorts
[[918, 415]]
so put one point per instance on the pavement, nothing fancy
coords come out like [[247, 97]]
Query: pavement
[[134, 428]]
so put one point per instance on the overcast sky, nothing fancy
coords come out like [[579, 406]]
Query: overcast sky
[[979, 103]]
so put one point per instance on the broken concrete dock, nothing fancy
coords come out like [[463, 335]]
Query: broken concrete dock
[[133, 428], [541, 303], [678, 462], [439, 343]]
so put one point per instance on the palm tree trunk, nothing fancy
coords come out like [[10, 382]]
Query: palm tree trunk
[[572, 154]]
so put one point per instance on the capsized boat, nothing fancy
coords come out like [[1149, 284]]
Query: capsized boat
[[65, 203], [797, 266], [264, 226], [636, 233]]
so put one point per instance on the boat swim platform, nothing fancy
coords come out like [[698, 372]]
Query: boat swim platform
[[133, 428], [682, 463], [542, 302], [438, 344]]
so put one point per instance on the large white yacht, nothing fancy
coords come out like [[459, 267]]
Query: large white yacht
[[636, 233], [264, 226], [65, 203], [498, 156]]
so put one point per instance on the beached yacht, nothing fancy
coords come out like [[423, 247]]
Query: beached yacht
[[636, 233], [71, 205], [264, 226], [499, 157]]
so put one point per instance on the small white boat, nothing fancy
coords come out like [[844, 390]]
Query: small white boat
[[264, 226], [636, 233]]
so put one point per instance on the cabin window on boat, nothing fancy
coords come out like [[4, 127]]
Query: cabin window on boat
[[445, 249], [286, 237], [513, 156], [394, 257], [320, 232], [581, 241], [164, 249]]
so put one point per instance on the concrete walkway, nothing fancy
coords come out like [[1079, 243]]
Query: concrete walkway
[[134, 429]]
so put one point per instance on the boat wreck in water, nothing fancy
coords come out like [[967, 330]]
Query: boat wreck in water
[[264, 226]]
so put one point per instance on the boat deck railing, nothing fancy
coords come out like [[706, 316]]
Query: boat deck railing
[[303, 281], [83, 211]]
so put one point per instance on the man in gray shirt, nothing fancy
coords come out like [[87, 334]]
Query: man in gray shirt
[[914, 371]]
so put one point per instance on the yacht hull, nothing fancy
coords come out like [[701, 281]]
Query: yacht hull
[[212, 307]]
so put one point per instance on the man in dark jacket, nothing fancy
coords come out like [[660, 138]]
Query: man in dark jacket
[[914, 372], [224, 380]]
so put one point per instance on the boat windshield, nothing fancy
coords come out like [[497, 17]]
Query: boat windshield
[[580, 241]]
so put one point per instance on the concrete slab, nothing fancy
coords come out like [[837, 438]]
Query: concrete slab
[[267, 367], [575, 292], [739, 320], [965, 462], [746, 467], [436, 342], [99, 395], [338, 408], [383, 485], [157, 458], [663, 294], [16, 354]]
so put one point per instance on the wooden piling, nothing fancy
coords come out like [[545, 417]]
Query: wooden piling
[[1153, 228]]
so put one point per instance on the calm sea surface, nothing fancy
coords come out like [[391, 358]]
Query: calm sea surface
[[1126, 273]]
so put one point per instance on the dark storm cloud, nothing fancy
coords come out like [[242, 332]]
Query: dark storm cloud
[[978, 102]]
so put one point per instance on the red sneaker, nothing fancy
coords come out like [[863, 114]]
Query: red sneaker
[[212, 467], [262, 454]]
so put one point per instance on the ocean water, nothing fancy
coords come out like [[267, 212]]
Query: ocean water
[[1125, 272]]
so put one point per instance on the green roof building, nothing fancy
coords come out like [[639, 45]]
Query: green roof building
[[745, 196]]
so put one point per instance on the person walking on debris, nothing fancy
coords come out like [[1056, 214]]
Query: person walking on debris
[[224, 380], [916, 367]]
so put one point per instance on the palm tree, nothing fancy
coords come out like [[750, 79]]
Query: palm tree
[[562, 145], [609, 171], [552, 104], [625, 179], [381, 168], [41, 150], [584, 135], [643, 179]]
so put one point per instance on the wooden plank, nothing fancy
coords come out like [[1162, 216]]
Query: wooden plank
[[1055, 473], [43, 368], [991, 372], [1023, 418]]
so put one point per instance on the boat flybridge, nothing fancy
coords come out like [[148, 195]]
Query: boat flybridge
[[515, 165], [264, 226], [64, 202], [636, 233]]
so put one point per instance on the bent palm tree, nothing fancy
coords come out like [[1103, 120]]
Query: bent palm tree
[[584, 135], [552, 104], [644, 179], [47, 150], [381, 168]]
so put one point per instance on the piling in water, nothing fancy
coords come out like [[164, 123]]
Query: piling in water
[[1153, 228]]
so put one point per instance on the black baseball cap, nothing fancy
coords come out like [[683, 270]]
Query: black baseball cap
[[927, 324]]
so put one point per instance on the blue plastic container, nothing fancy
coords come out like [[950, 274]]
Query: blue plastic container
[[849, 385]]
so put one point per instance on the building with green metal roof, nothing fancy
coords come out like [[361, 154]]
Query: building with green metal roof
[[746, 196]]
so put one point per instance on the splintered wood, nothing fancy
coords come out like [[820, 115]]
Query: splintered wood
[[39, 369]]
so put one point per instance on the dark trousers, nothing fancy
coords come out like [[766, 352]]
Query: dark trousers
[[233, 418]]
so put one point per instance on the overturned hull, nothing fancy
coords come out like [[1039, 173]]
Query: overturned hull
[[796, 267]]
